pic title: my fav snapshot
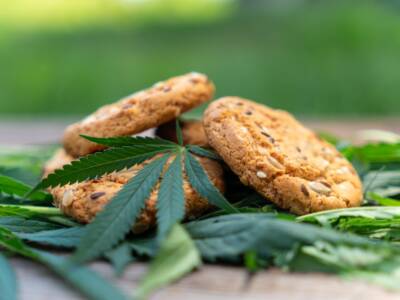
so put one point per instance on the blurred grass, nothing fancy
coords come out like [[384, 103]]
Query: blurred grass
[[323, 58]]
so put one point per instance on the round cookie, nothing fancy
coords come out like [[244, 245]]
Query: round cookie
[[192, 132], [281, 159], [82, 201], [146, 109], [57, 161]]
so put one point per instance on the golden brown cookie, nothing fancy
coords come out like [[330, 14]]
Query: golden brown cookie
[[192, 132], [281, 159], [146, 109], [57, 161], [82, 201]]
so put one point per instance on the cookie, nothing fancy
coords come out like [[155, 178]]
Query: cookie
[[146, 109], [57, 161], [82, 201], [192, 132], [281, 159]]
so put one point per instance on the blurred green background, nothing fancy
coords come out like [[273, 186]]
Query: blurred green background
[[314, 58]]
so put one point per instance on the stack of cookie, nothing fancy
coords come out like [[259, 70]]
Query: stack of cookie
[[267, 149]]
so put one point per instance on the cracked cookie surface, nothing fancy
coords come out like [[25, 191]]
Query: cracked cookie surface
[[281, 159], [82, 201], [146, 109]]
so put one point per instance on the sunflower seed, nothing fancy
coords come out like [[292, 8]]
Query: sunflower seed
[[274, 162], [261, 174], [319, 187], [67, 198], [343, 170]]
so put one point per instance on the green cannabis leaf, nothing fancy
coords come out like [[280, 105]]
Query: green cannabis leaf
[[120, 257], [62, 237], [203, 152], [383, 183], [119, 215], [201, 183], [178, 129], [382, 223], [375, 153], [384, 201], [23, 225], [137, 141], [171, 198], [115, 221], [177, 256], [13, 187], [329, 217], [84, 280], [97, 164], [8, 280], [228, 236]]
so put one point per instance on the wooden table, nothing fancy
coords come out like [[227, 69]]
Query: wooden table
[[211, 281]]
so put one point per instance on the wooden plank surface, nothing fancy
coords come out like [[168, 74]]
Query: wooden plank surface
[[211, 281]]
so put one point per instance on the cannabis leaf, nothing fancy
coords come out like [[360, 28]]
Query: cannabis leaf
[[375, 153], [119, 215], [177, 256], [120, 257], [384, 201], [83, 279], [203, 152], [12, 186], [327, 218], [377, 222], [97, 164], [8, 280], [137, 141], [201, 183], [171, 199], [383, 183], [178, 129], [18, 224], [228, 236], [63, 237]]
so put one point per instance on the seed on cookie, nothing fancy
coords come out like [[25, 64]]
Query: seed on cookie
[[274, 162], [304, 190], [343, 170], [261, 174], [67, 198], [319, 187], [97, 195]]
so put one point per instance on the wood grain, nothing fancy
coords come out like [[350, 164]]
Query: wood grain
[[209, 282]]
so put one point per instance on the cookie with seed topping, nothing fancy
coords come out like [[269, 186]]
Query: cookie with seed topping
[[82, 201], [146, 109], [192, 132], [281, 159]]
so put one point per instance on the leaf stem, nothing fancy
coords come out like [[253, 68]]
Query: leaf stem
[[48, 211]]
